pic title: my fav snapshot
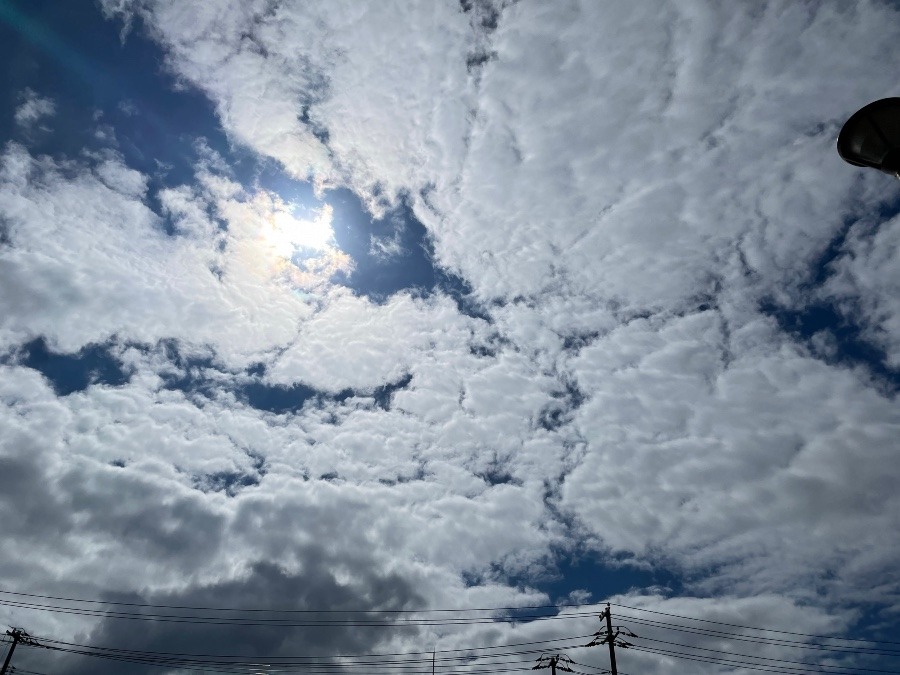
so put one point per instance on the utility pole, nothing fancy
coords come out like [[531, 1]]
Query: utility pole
[[554, 662], [611, 638], [611, 641], [18, 635]]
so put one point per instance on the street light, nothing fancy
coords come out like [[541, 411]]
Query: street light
[[871, 137]]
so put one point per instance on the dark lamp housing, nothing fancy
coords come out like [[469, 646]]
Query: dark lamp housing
[[871, 137]]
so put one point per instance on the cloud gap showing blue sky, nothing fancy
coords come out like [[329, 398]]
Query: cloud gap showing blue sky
[[447, 304]]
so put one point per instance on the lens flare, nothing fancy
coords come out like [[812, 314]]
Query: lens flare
[[288, 235], [292, 243]]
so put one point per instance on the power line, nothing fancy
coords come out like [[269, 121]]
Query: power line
[[751, 661], [773, 668], [465, 661], [481, 664], [770, 630], [356, 660], [225, 620], [425, 621], [832, 669], [300, 611], [307, 667], [269, 657], [711, 632], [463, 658], [324, 668], [759, 639]]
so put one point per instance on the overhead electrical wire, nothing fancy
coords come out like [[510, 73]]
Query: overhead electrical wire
[[587, 665], [288, 623], [421, 667], [464, 661], [423, 621], [321, 665], [717, 661], [380, 654], [737, 625], [712, 632], [248, 621], [363, 660], [324, 668], [766, 667], [597, 669], [760, 639], [181, 618], [830, 668], [301, 611]]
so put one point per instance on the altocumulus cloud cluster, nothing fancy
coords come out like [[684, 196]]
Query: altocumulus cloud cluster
[[636, 331]]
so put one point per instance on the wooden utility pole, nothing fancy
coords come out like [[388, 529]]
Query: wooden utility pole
[[608, 636], [611, 641], [16, 634]]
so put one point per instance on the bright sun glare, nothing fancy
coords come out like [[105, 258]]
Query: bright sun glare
[[288, 234]]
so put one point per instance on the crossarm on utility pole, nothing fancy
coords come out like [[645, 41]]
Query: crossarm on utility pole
[[610, 637], [16, 634], [554, 662]]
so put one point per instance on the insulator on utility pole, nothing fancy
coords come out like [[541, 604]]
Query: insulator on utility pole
[[18, 636], [611, 638], [554, 662]]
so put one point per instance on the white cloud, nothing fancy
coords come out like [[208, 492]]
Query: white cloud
[[867, 282], [226, 46], [353, 343], [32, 109], [621, 185], [552, 172], [387, 81], [102, 487], [771, 456], [89, 260]]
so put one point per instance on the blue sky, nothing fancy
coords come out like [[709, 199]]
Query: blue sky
[[478, 304]]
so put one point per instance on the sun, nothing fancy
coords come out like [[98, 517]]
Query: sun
[[287, 234], [294, 243]]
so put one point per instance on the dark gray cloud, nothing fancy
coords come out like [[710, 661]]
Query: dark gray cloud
[[263, 585]]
